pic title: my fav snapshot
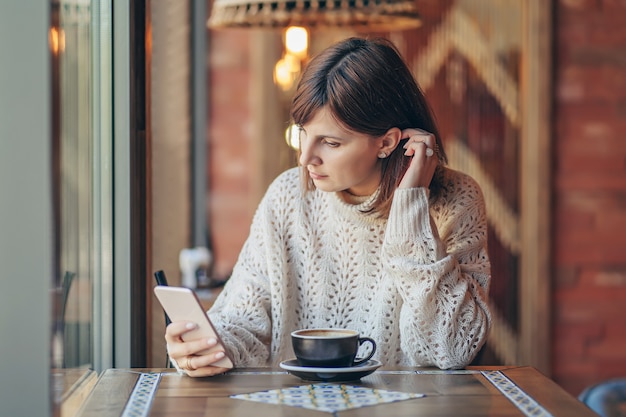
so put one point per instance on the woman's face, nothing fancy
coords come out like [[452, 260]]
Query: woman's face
[[339, 159]]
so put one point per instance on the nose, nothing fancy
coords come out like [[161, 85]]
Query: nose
[[307, 153]]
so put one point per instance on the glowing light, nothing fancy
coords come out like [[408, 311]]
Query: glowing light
[[287, 69], [297, 41], [282, 76], [56, 38], [292, 137]]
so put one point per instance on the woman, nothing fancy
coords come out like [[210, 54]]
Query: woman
[[370, 233]]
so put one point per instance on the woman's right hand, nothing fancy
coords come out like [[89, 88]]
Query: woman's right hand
[[187, 354]]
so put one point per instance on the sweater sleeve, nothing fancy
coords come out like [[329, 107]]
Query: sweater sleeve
[[437, 259]]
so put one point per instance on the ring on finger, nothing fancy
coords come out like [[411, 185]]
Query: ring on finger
[[188, 364], [429, 152]]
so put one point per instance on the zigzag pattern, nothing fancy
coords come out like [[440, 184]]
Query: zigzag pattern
[[459, 31], [500, 216]]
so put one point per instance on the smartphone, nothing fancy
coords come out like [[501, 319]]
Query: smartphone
[[182, 304]]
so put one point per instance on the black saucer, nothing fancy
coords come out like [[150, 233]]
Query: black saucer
[[351, 373]]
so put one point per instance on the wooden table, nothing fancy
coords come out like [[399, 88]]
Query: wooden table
[[493, 391]]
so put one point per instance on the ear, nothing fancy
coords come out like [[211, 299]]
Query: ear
[[390, 140]]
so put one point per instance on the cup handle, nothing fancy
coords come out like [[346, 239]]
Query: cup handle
[[372, 351]]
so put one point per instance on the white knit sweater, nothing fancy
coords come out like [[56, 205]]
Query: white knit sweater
[[417, 287]]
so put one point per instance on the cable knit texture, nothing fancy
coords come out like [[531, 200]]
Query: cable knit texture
[[416, 283]]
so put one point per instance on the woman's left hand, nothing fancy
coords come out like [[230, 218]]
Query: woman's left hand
[[421, 146]]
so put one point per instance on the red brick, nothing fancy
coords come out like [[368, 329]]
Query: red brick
[[592, 253], [593, 128], [569, 349], [591, 182], [576, 210], [595, 236], [572, 340], [609, 350], [604, 278], [610, 221], [588, 26], [573, 376], [616, 330], [590, 111], [609, 164], [230, 212], [592, 84], [584, 332], [587, 248], [610, 369], [599, 55], [614, 6], [577, 6], [566, 277], [588, 305]]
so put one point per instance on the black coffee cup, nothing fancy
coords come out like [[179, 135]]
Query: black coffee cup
[[329, 348]]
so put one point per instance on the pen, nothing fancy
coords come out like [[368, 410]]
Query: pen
[[160, 278]]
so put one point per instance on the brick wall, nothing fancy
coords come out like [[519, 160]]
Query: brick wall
[[229, 179], [589, 192]]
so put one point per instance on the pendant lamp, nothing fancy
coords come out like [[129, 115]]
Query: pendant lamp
[[370, 15]]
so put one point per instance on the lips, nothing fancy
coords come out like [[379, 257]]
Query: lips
[[316, 176]]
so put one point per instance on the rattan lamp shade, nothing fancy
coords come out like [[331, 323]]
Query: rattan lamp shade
[[372, 15]]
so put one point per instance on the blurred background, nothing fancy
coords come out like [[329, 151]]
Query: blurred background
[[159, 124]]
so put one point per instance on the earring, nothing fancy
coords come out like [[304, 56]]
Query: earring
[[382, 155]]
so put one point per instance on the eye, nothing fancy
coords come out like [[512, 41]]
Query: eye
[[330, 142]]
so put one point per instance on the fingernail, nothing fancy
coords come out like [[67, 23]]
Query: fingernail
[[190, 326], [219, 355], [212, 341]]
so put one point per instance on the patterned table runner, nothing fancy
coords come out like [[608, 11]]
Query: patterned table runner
[[140, 400], [331, 397], [523, 401]]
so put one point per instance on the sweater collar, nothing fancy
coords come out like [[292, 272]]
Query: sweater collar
[[354, 203]]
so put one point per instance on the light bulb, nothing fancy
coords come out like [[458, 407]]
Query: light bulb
[[297, 41], [292, 136]]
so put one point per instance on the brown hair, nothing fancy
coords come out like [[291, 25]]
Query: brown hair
[[368, 88]]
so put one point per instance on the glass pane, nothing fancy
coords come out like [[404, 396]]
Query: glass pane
[[80, 40]]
